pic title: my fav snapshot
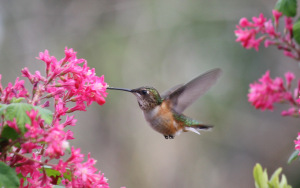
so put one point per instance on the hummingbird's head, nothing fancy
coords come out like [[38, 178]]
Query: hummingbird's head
[[147, 97]]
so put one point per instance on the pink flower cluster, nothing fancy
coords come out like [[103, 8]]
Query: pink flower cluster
[[251, 33], [267, 91], [67, 80], [39, 150], [297, 143], [17, 90]]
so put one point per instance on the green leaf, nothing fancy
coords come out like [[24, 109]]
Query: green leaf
[[45, 114], [275, 178], [16, 100], [283, 183], [294, 156], [287, 7], [9, 133], [3, 108], [18, 111], [296, 31], [8, 177], [67, 175], [53, 173], [260, 177]]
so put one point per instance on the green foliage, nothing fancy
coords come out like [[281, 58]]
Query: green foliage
[[53, 173], [18, 111], [287, 7], [8, 177], [296, 31], [261, 178], [16, 100], [56, 174], [294, 156], [9, 133]]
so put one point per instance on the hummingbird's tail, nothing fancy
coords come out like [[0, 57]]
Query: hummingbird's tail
[[197, 128]]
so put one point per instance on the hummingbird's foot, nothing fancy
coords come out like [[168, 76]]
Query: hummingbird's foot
[[166, 137], [171, 136]]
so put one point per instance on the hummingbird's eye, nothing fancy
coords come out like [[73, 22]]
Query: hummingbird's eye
[[144, 92]]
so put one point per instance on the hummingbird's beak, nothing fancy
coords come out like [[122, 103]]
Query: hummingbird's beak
[[121, 89]]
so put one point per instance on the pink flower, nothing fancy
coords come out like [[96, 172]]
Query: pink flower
[[268, 91], [259, 21], [289, 77], [68, 54], [251, 34], [68, 81], [86, 175], [270, 30], [45, 56], [297, 143], [13, 91], [288, 24], [289, 54], [70, 121], [290, 112], [34, 130], [56, 139], [13, 124], [247, 38], [1, 89], [76, 156], [245, 23], [276, 15], [60, 108], [269, 42]]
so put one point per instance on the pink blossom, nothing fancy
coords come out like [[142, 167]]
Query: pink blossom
[[268, 91], [245, 23], [70, 121], [269, 42], [86, 175], [251, 34], [247, 38], [289, 77], [29, 146], [45, 56], [270, 30], [60, 108], [290, 112], [13, 91], [56, 138], [34, 130], [288, 24], [1, 89], [276, 15], [70, 82], [259, 21], [68, 54], [13, 124], [297, 143], [289, 54], [76, 156]]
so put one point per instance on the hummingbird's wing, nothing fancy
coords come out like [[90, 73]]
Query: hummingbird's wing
[[171, 90], [184, 96]]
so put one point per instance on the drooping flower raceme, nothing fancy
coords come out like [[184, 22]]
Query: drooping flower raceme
[[267, 91], [33, 139], [252, 33]]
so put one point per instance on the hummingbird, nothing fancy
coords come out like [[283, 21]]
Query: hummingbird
[[164, 112]]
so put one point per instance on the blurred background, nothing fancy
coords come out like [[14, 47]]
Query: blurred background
[[160, 43]]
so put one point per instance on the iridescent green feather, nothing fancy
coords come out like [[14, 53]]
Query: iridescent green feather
[[186, 120], [156, 95]]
